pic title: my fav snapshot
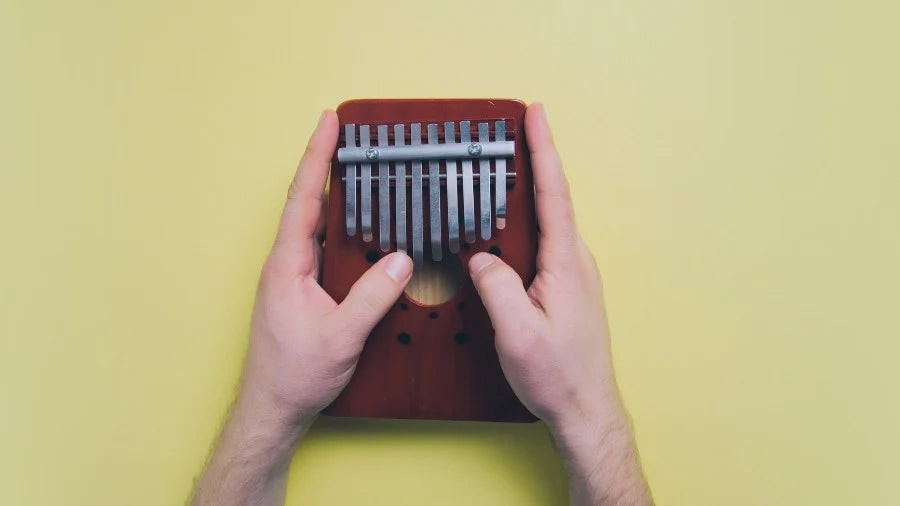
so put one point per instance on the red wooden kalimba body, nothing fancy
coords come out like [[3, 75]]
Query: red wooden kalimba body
[[430, 361]]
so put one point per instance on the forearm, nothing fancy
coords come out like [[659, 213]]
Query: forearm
[[252, 456], [601, 460]]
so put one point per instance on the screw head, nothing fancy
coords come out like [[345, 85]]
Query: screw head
[[372, 154], [474, 149]]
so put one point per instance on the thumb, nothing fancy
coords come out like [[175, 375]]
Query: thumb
[[501, 290], [372, 295]]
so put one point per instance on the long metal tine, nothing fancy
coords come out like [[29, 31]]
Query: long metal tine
[[400, 191], [484, 176], [384, 195], [418, 216], [465, 135], [366, 192], [434, 201], [500, 177], [452, 201], [350, 182]]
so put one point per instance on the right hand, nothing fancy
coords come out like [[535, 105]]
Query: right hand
[[553, 338]]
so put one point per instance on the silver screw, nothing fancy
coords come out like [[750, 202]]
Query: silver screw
[[372, 154], [474, 149]]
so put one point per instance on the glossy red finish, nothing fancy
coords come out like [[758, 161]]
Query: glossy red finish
[[434, 376]]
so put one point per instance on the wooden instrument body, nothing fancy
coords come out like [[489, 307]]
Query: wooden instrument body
[[433, 362]]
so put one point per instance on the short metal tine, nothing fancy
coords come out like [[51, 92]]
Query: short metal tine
[[350, 181], [418, 216], [366, 191], [400, 191], [434, 201], [500, 177], [484, 181], [452, 203], [384, 195], [468, 185]]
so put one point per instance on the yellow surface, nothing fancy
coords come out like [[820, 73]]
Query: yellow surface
[[735, 166]]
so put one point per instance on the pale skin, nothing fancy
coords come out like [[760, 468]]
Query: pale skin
[[552, 339]]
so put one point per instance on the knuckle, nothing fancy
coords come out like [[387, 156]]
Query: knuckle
[[293, 189], [269, 271], [494, 275], [564, 218], [368, 301], [315, 150], [566, 210], [341, 345], [525, 343], [311, 149], [589, 260]]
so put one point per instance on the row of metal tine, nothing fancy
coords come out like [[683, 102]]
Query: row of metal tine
[[465, 152]]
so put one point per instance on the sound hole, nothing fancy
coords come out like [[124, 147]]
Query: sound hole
[[433, 282]]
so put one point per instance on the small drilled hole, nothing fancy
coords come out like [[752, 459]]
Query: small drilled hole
[[433, 315], [461, 306], [461, 337], [403, 338], [404, 306], [494, 250], [372, 256]]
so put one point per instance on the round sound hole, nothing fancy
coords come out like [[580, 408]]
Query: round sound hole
[[433, 282]]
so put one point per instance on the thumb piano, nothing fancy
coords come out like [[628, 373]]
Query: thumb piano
[[439, 180]]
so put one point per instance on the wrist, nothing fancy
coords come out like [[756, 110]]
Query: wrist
[[599, 452], [254, 451], [271, 413], [585, 436], [590, 416]]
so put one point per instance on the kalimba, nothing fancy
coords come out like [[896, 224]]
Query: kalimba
[[440, 180]]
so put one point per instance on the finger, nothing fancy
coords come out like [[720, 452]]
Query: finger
[[371, 297], [555, 213], [502, 292], [303, 209]]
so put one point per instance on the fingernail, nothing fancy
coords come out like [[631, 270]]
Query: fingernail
[[479, 261], [323, 116], [398, 266]]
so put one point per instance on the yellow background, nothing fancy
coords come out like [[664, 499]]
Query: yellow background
[[734, 165]]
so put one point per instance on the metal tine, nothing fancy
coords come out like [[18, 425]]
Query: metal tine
[[434, 201], [415, 131], [400, 191], [452, 201], [384, 195], [500, 177], [366, 191], [484, 180], [468, 185], [350, 181]]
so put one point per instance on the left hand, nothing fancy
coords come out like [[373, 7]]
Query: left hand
[[303, 346]]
